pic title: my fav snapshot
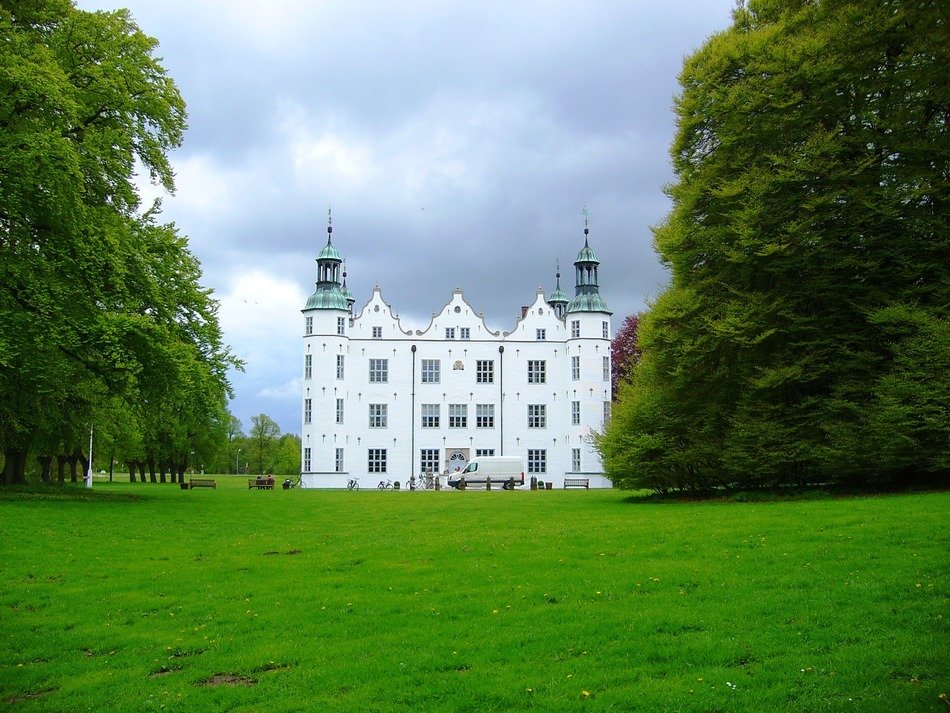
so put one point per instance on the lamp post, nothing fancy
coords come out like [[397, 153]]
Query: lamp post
[[236, 456]]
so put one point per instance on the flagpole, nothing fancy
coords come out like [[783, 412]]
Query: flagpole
[[89, 469]]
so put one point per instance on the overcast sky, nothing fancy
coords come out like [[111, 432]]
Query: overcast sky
[[457, 143]]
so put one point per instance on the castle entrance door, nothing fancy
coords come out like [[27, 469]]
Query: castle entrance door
[[456, 459]]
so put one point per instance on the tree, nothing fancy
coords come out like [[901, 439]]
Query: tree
[[624, 352], [808, 251], [263, 437], [97, 300], [287, 461]]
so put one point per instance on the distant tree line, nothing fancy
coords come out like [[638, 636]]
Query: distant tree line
[[103, 321], [803, 338]]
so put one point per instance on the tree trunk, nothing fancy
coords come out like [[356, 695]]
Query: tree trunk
[[85, 464], [130, 464], [61, 469], [151, 470], [161, 472], [142, 471], [46, 466], [111, 466]]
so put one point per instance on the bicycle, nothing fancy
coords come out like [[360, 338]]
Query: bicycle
[[385, 485], [353, 484]]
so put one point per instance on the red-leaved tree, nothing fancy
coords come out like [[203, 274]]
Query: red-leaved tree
[[624, 352]]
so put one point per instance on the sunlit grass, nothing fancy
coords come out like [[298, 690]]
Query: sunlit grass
[[135, 597]]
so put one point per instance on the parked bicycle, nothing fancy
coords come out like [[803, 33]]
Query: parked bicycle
[[385, 485], [353, 484]]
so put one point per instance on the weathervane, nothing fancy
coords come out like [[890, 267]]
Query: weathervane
[[329, 221], [586, 223]]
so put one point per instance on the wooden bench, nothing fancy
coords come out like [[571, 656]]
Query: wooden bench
[[202, 483], [260, 484], [577, 483]]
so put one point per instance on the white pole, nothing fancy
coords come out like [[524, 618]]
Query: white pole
[[89, 469]]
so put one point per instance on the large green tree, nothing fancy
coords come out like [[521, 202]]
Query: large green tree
[[97, 299], [803, 337]]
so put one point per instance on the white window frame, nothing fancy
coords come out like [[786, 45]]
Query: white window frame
[[378, 416], [339, 460], [537, 416], [307, 410], [308, 325], [431, 415], [450, 332], [341, 325], [306, 459], [379, 371], [575, 368], [339, 410], [576, 460], [458, 415], [431, 371], [575, 413], [377, 332], [308, 366], [605, 329], [484, 452], [485, 371], [340, 366], [429, 460], [484, 415], [537, 460], [575, 328], [606, 368], [537, 371], [540, 335], [465, 333], [376, 460]]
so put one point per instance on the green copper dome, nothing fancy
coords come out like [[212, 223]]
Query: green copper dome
[[332, 298], [557, 296], [590, 302], [586, 254], [329, 253]]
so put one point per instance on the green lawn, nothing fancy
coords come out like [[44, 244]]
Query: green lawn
[[147, 597]]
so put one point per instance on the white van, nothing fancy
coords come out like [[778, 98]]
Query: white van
[[501, 469]]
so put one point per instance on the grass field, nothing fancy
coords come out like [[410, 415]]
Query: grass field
[[147, 597]]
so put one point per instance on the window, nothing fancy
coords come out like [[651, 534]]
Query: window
[[307, 410], [377, 332], [458, 415], [306, 460], [576, 460], [465, 333], [450, 332], [339, 366], [341, 325], [575, 328], [429, 460], [537, 460], [339, 410], [540, 335], [339, 460], [485, 371], [484, 415], [575, 413], [376, 460], [536, 372], [377, 416], [308, 325], [378, 371], [537, 415], [430, 371], [605, 329], [575, 368], [606, 411], [430, 415], [308, 366], [483, 452], [606, 368]]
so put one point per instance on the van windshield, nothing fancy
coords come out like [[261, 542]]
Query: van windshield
[[471, 468]]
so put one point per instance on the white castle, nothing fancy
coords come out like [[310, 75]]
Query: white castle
[[384, 402]]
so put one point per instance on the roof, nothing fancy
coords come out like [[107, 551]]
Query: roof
[[330, 253], [590, 302], [332, 298]]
